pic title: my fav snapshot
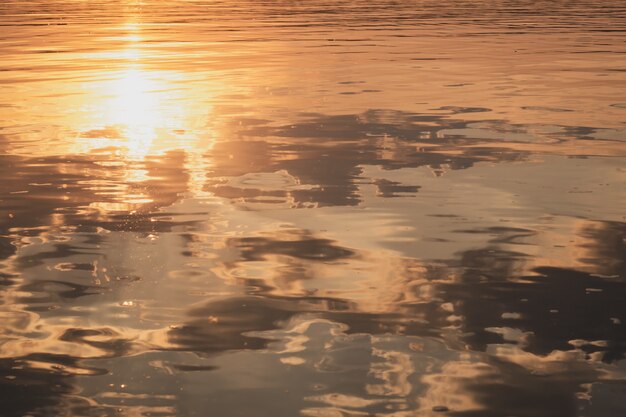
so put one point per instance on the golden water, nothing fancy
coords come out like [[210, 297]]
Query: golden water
[[312, 208]]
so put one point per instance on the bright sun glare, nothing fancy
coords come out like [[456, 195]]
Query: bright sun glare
[[136, 107]]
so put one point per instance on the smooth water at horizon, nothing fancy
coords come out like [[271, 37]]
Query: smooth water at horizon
[[312, 208]]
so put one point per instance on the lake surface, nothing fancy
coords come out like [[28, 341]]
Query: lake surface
[[312, 208]]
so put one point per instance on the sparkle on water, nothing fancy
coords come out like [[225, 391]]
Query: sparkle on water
[[319, 208]]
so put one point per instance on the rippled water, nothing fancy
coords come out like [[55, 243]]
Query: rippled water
[[317, 208]]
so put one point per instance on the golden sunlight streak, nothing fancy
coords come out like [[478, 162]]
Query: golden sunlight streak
[[135, 106]]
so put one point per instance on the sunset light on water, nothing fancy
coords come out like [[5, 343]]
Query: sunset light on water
[[321, 208]]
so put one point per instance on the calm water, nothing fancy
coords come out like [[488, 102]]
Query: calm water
[[314, 208]]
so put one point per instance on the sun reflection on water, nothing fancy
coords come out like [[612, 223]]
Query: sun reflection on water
[[135, 106]]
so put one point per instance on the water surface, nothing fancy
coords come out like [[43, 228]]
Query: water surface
[[318, 208]]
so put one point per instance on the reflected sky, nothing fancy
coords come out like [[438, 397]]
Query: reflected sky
[[325, 209]]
